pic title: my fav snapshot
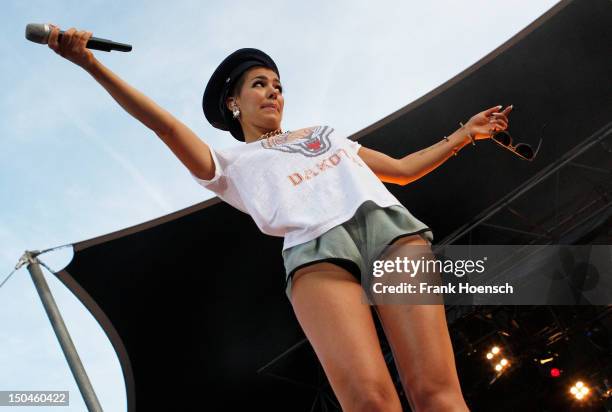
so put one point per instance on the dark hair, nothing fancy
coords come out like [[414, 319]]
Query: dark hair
[[235, 90]]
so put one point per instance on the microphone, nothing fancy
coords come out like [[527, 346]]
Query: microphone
[[39, 33]]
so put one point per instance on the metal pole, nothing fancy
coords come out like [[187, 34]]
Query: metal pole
[[74, 361]]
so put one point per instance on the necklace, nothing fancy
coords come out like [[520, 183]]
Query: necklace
[[270, 134]]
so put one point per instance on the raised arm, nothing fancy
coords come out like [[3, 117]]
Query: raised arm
[[193, 152], [416, 165]]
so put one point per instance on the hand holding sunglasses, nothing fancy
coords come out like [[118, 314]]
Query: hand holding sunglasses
[[483, 124], [492, 124]]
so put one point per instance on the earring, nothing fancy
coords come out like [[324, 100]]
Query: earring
[[235, 111]]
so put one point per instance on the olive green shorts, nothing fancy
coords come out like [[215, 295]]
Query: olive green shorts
[[357, 242]]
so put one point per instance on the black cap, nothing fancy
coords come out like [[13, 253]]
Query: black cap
[[222, 81]]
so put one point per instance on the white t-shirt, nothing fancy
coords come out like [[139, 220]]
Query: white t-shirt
[[296, 185]]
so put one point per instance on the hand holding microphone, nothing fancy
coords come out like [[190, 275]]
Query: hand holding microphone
[[71, 44]]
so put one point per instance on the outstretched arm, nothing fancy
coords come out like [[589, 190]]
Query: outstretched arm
[[184, 143], [416, 165]]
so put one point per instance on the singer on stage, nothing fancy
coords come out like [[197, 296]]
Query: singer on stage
[[322, 193]]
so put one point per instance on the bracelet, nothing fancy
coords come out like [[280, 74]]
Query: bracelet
[[469, 135], [454, 150]]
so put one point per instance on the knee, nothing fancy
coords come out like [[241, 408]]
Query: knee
[[448, 400], [374, 399]]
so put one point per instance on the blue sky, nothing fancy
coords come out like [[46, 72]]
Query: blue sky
[[74, 166]]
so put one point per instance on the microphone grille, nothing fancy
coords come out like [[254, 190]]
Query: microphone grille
[[38, 33]]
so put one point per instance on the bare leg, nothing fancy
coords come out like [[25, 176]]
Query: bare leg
[[421, 345], [327, 303]]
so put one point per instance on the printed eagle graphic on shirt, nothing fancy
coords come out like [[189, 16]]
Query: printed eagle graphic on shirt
[[310, 142]]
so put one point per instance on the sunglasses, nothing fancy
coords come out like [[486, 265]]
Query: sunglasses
[[522, 150]]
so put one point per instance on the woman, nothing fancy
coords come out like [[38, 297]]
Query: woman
[[289, 182]]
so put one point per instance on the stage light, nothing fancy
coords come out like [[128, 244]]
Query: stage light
[[543, 361], [498, 364], [548, 364], [579, 390]]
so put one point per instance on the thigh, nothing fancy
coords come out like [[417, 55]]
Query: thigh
[[419, 338], [335, 246], [327, 301]]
